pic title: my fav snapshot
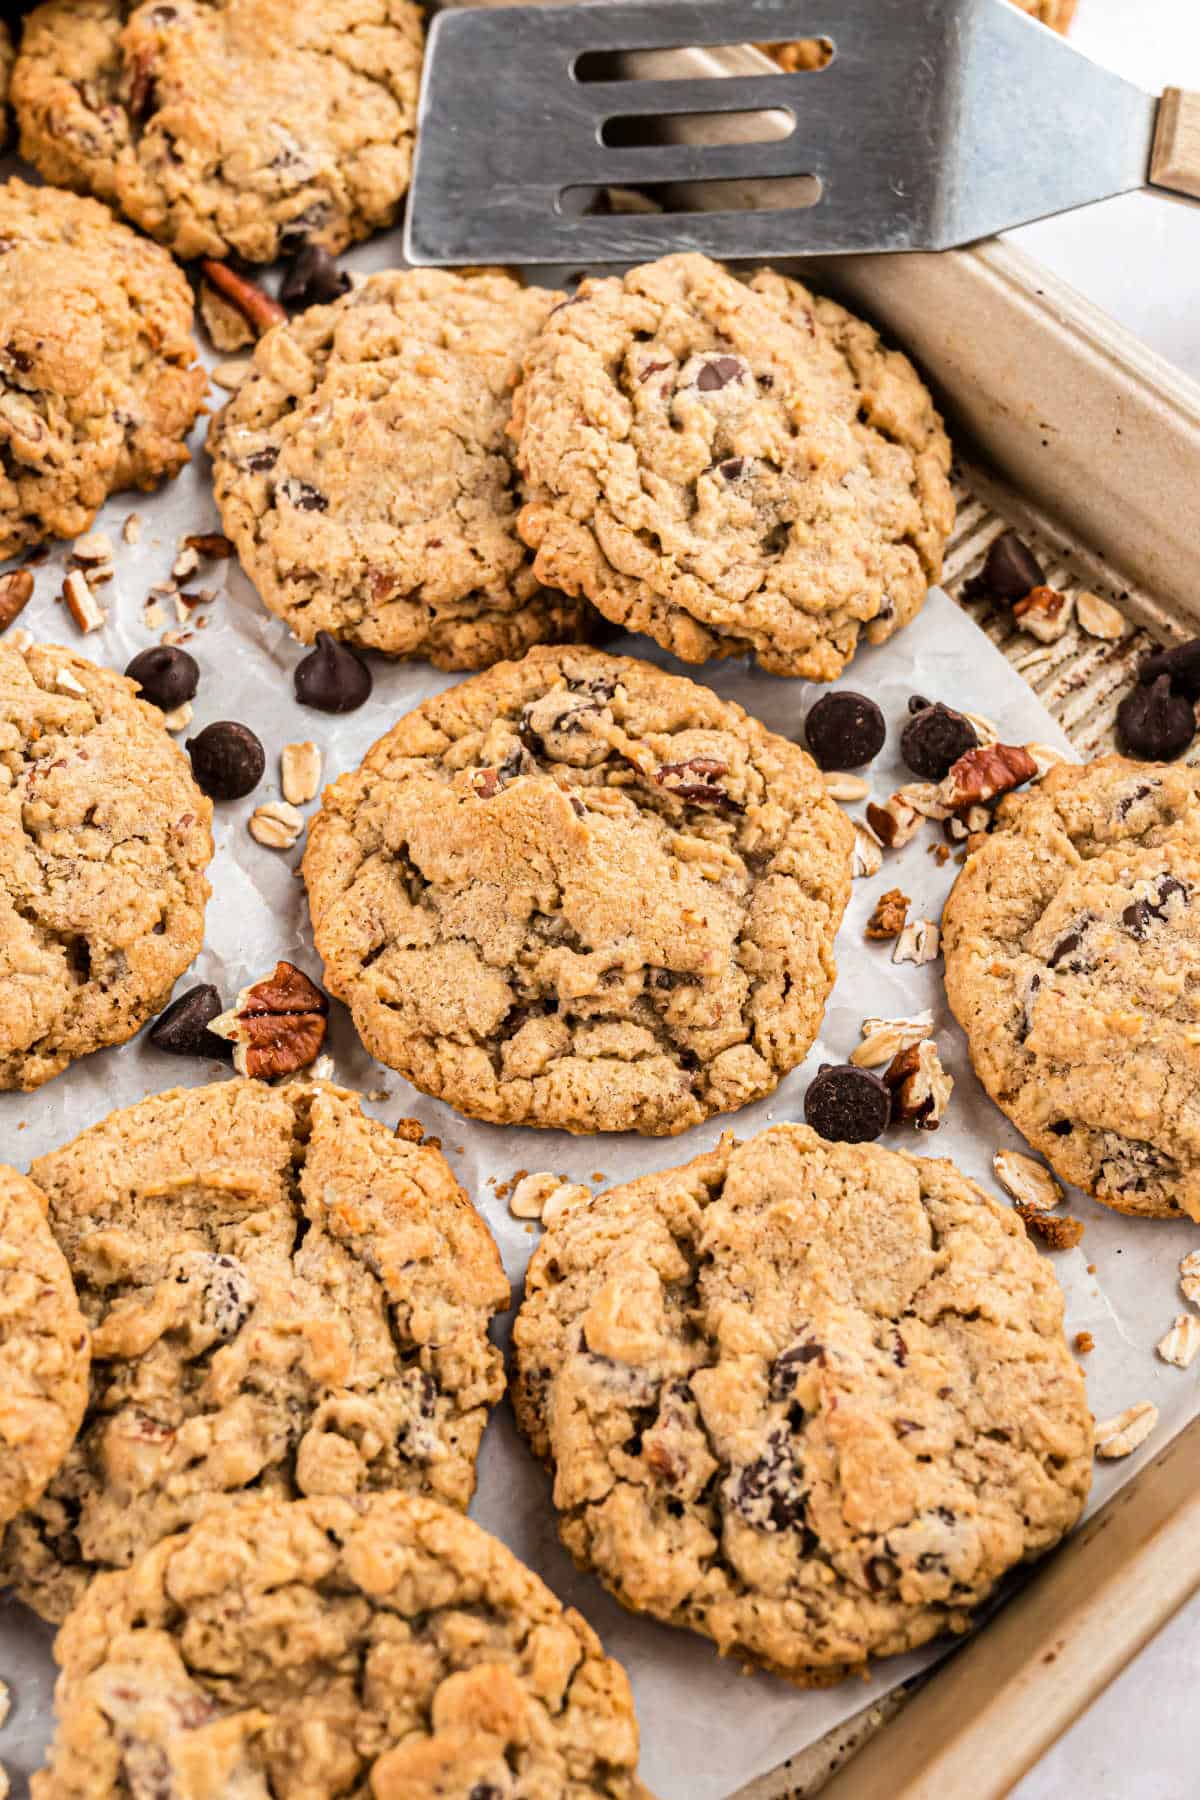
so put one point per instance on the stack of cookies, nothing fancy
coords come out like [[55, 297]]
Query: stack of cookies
[[805, 1395]]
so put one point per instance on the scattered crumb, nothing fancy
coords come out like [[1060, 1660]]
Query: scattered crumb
[[1085, 1343], [131, 530], [378, 1095], [887, 921], [940, 854], [411, 1130], [1056, 1233], [598, 1175]]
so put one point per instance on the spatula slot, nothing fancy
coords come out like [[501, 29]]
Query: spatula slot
[[613, 64], [776, 193], [631, 131]]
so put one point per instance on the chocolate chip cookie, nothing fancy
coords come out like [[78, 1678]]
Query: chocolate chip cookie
[[811, 1400], [325, 1647], [43, 1348], [575, 891], [218, 126], [99, 384], [1072, 947], [731, 467], [283, 1296], [365, 472], [104, 840]]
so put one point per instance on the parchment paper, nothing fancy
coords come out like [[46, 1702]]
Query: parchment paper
[[706, 1727]]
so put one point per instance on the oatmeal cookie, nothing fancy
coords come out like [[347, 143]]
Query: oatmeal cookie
[[218, 126], [1072, 947], [104, 840], [283, 1296], [365, 472], [43, 1348], [575, 891], [326, 1647], [731, 467], [6, 63], [809, 1399], [99, 384]]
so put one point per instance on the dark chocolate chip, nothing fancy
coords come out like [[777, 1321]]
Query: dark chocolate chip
[[786, 1368], [1011, 570], [1181, 663], [719, 373], [847, 1105], [1062, 1128], [332, 677], [1137, 916], [732, 467], [302, 495], [934, 738], [844, 730], [227, 760], [166, 675], [1066, 947], [312, 278], [1154, 724], [259, 461], [182, 1030]]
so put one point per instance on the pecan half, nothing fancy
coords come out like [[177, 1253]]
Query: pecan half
[[16, 591], [276, 1026], [985, 773], [256, 307]]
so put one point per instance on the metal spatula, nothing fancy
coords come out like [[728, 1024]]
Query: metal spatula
[[933, 123]]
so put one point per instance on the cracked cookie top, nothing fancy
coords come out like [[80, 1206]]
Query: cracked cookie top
[[809, 1399], [99, 384], [1072, 946], [365, 471], [575, 891], [283, 1296], [731, 467], [218, 126], [43, 1348], [328, 1648], [104, 839]]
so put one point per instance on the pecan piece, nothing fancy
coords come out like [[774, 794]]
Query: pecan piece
[[986, 773], [16, 591], [276, 1026], [698, 781], [257, 308], [887, 921], [213, 546], [919, 1085], [895, 823], [1045, 613]]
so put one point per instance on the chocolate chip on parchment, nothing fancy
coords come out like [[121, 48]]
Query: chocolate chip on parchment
[[934, 738], [847, 1105], [312, 278], [166, 675], [227, 760], [844, 731], [1181, 663], [332, 677], [1155, 724], [182, 1030], [1011, 570]]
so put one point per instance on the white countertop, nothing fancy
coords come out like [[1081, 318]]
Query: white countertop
[[1139, 258]]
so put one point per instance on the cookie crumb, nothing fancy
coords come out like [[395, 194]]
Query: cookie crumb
[[887, 920], [1056, 1233], [411, 1130], [1085, 1343]]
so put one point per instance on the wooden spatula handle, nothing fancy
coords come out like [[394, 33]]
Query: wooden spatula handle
[[1175, 158]]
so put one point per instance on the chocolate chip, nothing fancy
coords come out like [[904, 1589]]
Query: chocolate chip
[[847, 1105], [1011, 570], [332, 677], [844, 730], [1181, 663], [1066, 947], [1137, 917], [719, 373], [259, 461], [785, 1370], [312, 278], [166, 675], [302, 495], [934, 738], [732, 467], [227, 759], [182, 1030], [1154, 724]]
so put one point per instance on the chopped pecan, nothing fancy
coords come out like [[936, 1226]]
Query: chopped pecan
[[919, 942], [16, 591], [1044, 612], [1057, 1233], [257, 308], [985, 773], [920, 1086], [277, 1025], [895, 823], [697, 781], [1025, 1180], [81, 603], [887, 921], [213, 546], [867, 857]]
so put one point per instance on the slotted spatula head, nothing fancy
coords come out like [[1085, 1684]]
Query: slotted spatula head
[[935, 122]]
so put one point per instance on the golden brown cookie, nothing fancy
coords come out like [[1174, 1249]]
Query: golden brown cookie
[[365, 471], [386, 1647], [731, 467], [283, 1296], [812, 1400], [251, 126], [43, 1348], [104, 840], [576, 891], [99, 384], [1072, 947]]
